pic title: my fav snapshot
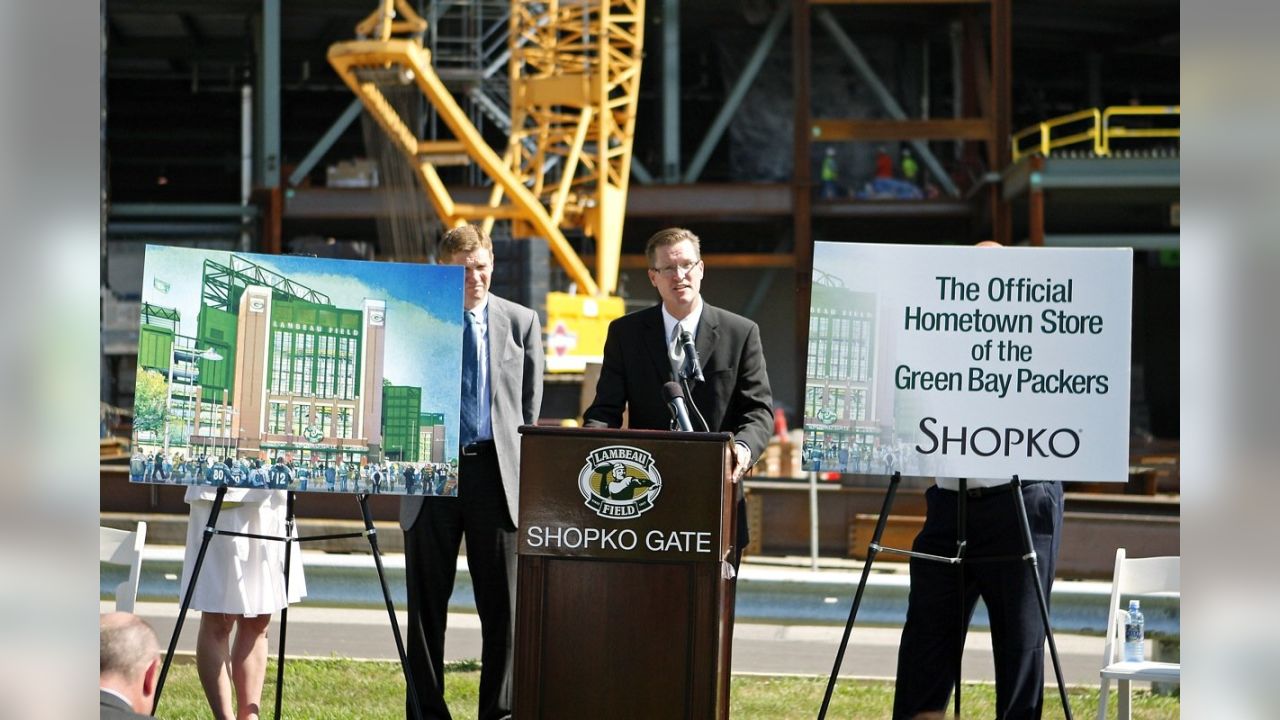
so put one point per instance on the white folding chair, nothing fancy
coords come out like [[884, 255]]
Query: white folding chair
[[123, 547], [1134, 576]]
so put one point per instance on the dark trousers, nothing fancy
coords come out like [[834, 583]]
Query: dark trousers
[[479, 513], [932, 636]]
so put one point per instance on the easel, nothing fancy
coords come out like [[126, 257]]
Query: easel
[[210, 529], [959, 559]]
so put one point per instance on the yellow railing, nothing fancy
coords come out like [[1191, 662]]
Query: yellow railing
[[1098, 127]]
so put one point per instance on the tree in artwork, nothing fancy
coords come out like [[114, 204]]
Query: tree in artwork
[[149, 398]]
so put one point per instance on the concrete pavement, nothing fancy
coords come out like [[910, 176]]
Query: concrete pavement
[[790, 618], [770, 649]]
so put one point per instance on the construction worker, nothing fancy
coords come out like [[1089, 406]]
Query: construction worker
[[910, 168], [830, 176]]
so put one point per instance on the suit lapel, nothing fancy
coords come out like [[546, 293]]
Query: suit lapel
[[499, 331], [708, 335], [655, 343], [706, 343]]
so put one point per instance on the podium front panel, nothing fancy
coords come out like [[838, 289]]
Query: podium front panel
[[624, 605], [627, 495]]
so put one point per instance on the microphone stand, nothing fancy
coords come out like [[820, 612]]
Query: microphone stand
[[675, 402], [690, 371]]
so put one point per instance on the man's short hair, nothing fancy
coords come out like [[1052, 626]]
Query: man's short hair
[[670, 236], [464, 239], [127, 644]]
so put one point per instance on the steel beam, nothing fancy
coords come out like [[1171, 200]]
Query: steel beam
[[326, 141], [640, 172], [1137, 241], [1092, 174], [231, 231], [832, 130], [181, 210], [721, 202], [738, 93]]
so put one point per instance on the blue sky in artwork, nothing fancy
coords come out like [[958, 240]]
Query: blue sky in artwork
[[424, 310]]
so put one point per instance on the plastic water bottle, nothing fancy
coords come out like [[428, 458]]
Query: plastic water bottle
[[1133, 634]]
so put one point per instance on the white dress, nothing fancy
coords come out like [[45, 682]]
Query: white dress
[[241, 576]]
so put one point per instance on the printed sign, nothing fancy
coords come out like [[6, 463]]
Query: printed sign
[[641, 495], [969, 362], [306, 374]]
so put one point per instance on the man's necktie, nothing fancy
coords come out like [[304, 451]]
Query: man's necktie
[[470, 422], [675, 352]]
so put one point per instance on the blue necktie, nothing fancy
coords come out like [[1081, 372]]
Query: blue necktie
[[470, 380]]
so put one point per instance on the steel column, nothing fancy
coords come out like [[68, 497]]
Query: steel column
[[268, 95], [801, 183], [1035, 205], [998, 150], [671, 91]]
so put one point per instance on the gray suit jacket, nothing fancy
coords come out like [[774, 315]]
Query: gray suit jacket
[[515, 394], [111, 707]]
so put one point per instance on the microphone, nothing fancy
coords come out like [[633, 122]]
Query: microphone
[[693, 366], [674, 396]]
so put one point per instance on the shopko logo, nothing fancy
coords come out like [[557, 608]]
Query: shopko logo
[[987, 441], [619, 481]]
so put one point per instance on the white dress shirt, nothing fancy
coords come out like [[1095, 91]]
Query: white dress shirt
[[953, 484], [675, 351]]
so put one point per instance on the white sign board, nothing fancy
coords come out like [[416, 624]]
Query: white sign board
[[969, 362]]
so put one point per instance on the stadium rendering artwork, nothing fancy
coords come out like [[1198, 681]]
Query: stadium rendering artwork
[[297, 373]]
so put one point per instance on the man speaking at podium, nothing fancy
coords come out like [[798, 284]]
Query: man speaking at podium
[[643, 352]]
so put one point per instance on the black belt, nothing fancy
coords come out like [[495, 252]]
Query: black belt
[[479, 447], [977, 493]]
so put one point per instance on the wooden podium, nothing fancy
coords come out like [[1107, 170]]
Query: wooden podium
[[625, 590]]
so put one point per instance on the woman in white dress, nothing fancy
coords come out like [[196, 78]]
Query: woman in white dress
[[241, 584]]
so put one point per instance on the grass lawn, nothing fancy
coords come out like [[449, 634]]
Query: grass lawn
[[344, 689]]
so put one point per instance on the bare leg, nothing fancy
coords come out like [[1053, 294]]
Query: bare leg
[[249, 664], [213, 660]]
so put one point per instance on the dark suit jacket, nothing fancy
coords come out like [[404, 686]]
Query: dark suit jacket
[[113, 708], [515, 394], [735, 397]]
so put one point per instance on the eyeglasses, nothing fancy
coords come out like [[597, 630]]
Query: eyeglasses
[[683, 268]]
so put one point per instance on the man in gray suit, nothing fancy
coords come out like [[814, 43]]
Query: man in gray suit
[[128, 666], [501, 390]]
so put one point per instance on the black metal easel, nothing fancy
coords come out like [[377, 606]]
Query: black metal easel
[[874, 548], [210, 529]]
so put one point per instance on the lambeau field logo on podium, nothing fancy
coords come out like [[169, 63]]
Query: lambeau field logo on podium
[[619, 482]]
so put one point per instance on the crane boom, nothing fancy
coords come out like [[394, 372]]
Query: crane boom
[[574, 73]]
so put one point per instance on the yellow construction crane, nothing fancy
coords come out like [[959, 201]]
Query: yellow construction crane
[[574, 76]]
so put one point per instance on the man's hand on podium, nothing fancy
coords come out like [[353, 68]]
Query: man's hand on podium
[[741, 460]]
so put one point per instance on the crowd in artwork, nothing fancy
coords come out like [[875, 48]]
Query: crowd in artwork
[[282, 472]]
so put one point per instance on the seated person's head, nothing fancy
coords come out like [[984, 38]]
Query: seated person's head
[[128, 659]]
